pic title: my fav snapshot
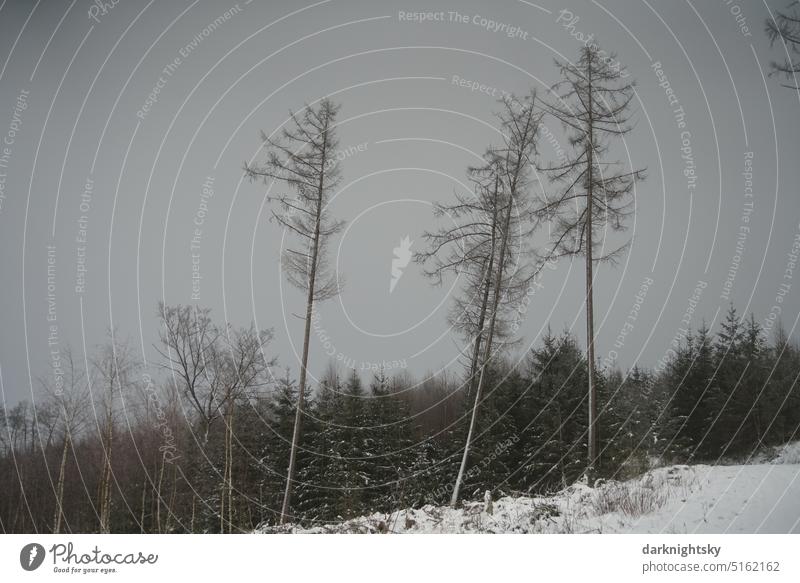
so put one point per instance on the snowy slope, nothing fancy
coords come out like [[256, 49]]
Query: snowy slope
[[732, 499], [757, 498]]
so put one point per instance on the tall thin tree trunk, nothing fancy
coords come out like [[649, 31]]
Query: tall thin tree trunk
[[144, 503], [105, 482], [312, 276], [158, 493], [226, 498], [592, 437], [60, 488], [290, 473], [222, 488], [230, 471], [171, 504], [485, 300], [18, 511], [561, 446], [476, 350], [487, 351], [194, 505]]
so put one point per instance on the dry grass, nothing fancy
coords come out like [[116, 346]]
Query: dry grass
[[634, 499]]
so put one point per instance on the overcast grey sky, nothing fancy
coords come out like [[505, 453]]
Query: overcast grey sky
[[127, 127]]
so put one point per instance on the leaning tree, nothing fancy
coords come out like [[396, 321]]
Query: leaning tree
[[486, 244], [303, 159]]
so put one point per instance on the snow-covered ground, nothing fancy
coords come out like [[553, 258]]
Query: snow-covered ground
[[782, 454], [752, 498]]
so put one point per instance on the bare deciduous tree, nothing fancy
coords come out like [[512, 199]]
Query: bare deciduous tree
[[113, 367], [71, 400], [189, 339], [240, 364], [216, 369]]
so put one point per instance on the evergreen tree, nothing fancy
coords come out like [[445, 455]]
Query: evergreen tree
[[492, 462], [320, 477], [731, 365], [277, 429], [676, 441], [784, 386], [614, 418], [391, 443], [355, 451], [555, 443], [702, 391]]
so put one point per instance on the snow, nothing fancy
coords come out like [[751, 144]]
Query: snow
[[732, 499], [787, 454], [751, 498]]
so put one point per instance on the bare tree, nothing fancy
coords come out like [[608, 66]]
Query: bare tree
[[304, 160], [113, 367], [71, 399], [594, 105], [240, 363], [508, 169], [188, 346], [155, 409], [216, 369], [466, 247], [785, 27]]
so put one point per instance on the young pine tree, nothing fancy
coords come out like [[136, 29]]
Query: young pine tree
[[556, 446]]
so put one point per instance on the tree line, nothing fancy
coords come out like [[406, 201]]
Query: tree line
[[133, 456]]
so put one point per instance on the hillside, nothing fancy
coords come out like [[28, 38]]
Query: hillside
[[748, 498]]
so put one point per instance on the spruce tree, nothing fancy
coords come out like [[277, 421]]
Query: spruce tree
[[391, 444], [556, 447], [731, 365], [703, 389], [355, 450]]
